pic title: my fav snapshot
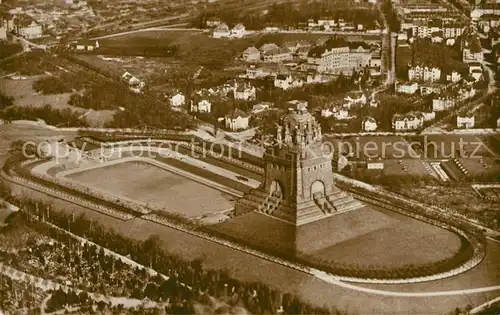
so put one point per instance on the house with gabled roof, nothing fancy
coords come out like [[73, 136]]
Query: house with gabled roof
[[251, 54], [466, 122], [237, 120], [221, 31], [407, 122], [86, 45], [25, 26], [369, 124], [471, 49]]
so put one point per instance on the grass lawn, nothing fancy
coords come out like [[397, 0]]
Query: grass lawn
[[444, 146], [385, 147], [159, 188], [486, 167], [400, 241], [407, 167], [200, 49]]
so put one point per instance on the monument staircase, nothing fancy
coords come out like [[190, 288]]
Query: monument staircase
[[260, 201]]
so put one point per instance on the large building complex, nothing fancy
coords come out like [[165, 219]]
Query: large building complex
[[336, 54]]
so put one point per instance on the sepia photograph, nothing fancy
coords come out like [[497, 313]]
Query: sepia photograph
[[240, 157]]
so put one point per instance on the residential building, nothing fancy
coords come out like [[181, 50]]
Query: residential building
[[294, 46], [261, 107], [26, 27], [203, 106], [407, 122], [437, 37], [213, 22], [254, 72], [369, 124], [238, 31], [86, 45], [318, 78], [177, 100], [471, 49], [465, 122], [423, 73], [251, 54], [301, 53], [334, 54], [286, 82], [430, 88], [340, 113], [359, 55], [355, 97], [267, 47], [245, 92], [406, 87], [453, 76], [429, 116], [443, 103], [238, 120], [221, 31], [3, 33], [276, 55]]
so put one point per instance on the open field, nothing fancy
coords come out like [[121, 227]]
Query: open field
[[406, 167], [485, 168], [159, 188], [24, 96], [247, 267], [373, 147], [446, 146], [402, 241]]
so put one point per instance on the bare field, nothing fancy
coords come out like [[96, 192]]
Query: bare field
[[403, 241], [159, 188]]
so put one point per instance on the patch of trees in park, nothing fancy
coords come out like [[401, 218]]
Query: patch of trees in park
[[29, 63], [9, 49], [391, 16], [188, 280], [5, 101], [57, 117], [51, 85]]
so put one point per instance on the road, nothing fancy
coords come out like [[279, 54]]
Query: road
[[164, 29]]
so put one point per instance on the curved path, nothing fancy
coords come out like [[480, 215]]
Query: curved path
[[331, 279]]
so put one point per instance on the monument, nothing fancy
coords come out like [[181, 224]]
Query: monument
[[298, 187]]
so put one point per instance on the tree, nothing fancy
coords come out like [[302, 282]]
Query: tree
[[5, 101]]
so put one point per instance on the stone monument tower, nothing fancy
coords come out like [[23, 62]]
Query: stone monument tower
[[298, 186]]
